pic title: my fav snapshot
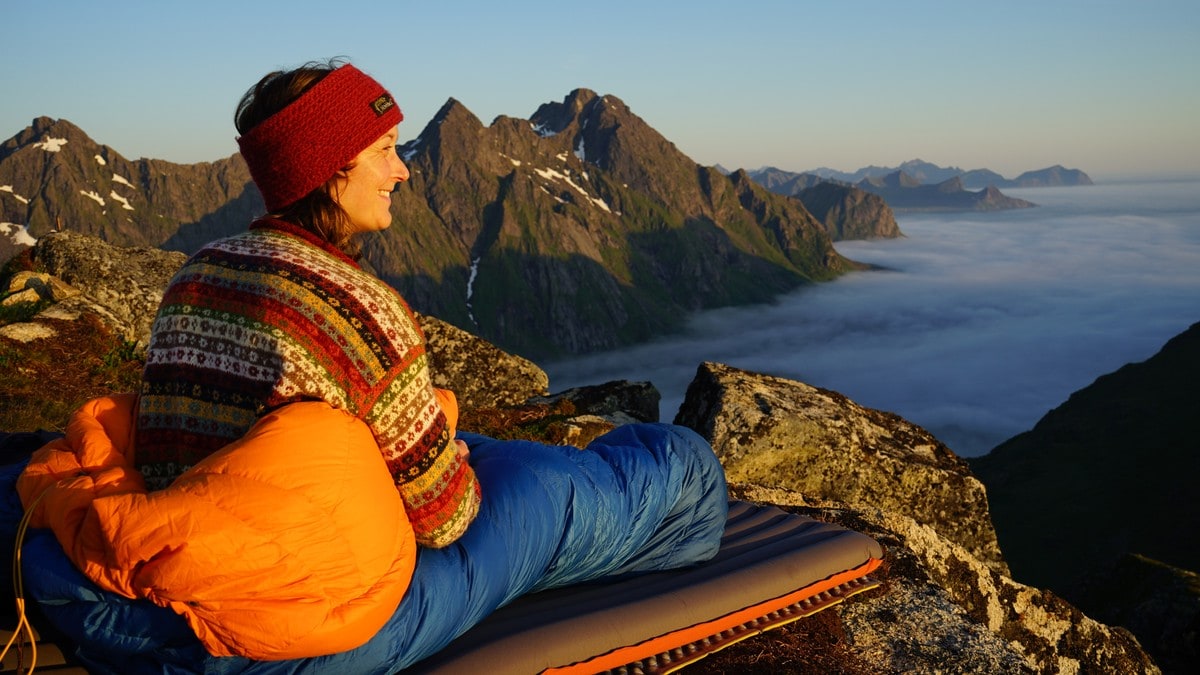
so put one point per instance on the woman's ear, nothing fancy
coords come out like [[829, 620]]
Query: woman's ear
[[336, 182]]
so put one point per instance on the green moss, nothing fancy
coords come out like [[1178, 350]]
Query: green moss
[[21, 311], [120, 368]]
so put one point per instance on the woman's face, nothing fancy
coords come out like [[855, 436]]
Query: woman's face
[[365, 191]]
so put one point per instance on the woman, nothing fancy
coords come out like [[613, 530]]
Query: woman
[[285, 314], [286, 392]]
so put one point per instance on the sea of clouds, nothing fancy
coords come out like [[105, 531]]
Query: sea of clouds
[[976, 325]]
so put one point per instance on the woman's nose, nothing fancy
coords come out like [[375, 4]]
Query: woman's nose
[[400, 171]]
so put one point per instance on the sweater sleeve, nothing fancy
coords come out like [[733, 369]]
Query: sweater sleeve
[[438, 487], [414, 423]]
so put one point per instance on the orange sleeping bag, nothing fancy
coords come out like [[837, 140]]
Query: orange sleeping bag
[[290, 542]]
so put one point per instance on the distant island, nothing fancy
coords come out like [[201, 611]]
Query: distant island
[[927, 173], [917, 185]]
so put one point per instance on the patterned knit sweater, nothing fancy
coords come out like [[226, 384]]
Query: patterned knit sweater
[[273, 316]]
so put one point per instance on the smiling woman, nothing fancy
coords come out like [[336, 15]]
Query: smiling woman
[[319, 142], [364, 189]]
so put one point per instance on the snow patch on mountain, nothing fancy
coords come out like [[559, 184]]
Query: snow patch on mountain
[[17, 234], [51, 144], [9, 189]]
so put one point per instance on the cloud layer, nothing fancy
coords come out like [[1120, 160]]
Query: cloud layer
[[978, 326]]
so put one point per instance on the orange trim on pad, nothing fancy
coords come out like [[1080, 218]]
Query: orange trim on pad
[[625, 655]]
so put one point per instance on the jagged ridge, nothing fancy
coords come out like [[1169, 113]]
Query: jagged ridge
[[582, 228], [577, 230]]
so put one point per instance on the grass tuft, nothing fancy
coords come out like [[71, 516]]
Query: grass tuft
[[47, 379]]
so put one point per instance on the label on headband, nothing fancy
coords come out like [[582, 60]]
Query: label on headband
[[382, 104]]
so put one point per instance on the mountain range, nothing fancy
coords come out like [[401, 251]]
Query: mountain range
[[927, 173], [917, 185], [578, 229]]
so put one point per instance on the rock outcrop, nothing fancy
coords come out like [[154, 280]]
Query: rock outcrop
[[480, 374], [788, 443], [122, 285], [780, 433]]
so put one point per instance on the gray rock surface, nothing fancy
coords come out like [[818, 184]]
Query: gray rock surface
[[480, 374], [780, 433], [124, 285]]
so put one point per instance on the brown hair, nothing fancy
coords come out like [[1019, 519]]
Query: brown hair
[[318, 211]]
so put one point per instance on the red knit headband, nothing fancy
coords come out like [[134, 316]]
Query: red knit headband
[[294, 151]]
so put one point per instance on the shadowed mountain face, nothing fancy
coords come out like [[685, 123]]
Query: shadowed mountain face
[[1097, 502], [577, 230], [1109, 473], [583, 228]]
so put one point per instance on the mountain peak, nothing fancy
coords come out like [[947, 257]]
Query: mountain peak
[[927, 173], [580, 97], [951, 185], [553, 118], [58, 177], [895, 179], [50, 134], [454, 110], [42, 123], [452, 115]]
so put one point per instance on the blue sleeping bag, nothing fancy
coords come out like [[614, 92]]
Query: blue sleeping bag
[[641, 498]]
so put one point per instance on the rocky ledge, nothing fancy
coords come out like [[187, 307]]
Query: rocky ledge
[[947, 603]]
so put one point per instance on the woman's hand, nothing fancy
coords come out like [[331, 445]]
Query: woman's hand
[[463, 451]]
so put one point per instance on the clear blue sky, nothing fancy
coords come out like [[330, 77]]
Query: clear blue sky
[[1110, 87]]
